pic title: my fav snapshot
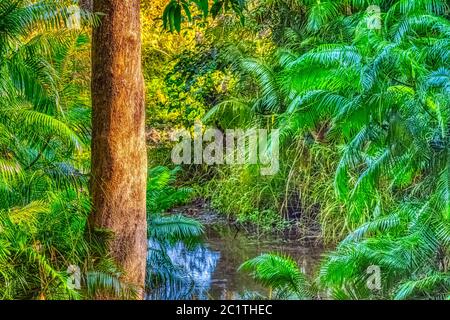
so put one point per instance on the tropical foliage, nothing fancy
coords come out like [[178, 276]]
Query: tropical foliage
[[281, 274], [360, 91], [380, 95], [44, 137], [165, 231]]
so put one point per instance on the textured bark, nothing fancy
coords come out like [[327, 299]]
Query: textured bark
[[119, 160]]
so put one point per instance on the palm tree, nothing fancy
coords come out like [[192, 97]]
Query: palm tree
[[281, 275], [44, 130], [382, 97], [166, 230], [42, 112]]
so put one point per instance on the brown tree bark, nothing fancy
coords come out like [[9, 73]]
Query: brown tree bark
[[119, 159]]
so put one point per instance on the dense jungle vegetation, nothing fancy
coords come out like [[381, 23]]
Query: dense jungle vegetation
[[361, 99]]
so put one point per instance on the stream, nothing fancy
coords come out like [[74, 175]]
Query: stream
[[210, 270]]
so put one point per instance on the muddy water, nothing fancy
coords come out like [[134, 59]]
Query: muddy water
[[210, 270]]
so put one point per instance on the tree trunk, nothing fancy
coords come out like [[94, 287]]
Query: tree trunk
[[119, 159]]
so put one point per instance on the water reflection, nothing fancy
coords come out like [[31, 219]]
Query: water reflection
[[199, 264], [209, 270]]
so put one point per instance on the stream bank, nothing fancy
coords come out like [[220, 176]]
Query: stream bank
[[211, 268]]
